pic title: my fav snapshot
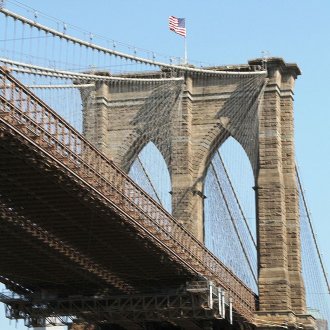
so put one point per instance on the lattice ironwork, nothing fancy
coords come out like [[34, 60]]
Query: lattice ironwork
[[200, 300]]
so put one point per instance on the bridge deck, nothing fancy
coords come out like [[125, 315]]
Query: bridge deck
[[90, 228], [67, 214]]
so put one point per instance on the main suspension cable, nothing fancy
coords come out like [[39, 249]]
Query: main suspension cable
[[90, 45]]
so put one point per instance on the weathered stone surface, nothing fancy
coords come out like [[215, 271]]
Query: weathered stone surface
[[112, 122]]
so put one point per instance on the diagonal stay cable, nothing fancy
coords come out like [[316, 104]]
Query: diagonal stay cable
[[237, 200], [312, 230], [233, 223], [149, 180]]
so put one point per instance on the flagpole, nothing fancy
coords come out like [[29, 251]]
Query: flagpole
[[185, 51]]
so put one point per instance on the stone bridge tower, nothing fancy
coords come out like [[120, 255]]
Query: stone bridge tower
[[112, 122]]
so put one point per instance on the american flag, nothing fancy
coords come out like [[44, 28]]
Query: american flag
[[178, 25]]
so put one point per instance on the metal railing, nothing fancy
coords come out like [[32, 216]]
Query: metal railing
[[35, 121]]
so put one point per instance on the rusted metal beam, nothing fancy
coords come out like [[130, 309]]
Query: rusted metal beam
[[182, 305]]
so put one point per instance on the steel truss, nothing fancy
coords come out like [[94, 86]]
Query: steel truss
[[199, 300]]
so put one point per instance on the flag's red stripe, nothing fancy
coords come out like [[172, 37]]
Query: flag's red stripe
[[173, 26]]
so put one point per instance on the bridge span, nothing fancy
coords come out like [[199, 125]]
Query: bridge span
[[82, 242], [95, 232]]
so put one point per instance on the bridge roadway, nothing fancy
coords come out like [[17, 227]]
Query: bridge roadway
[[74, 226]]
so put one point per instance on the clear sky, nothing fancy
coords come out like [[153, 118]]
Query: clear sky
[[232, 32]]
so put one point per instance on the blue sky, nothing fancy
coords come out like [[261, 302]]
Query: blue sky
[[232, 32]]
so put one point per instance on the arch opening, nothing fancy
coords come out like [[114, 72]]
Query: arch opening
[[149, 170], [230, 211]]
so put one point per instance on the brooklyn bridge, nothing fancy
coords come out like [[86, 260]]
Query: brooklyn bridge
[[119, 208]]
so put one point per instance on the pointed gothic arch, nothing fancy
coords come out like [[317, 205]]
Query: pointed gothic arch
[[203, 111], [229, 211]]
